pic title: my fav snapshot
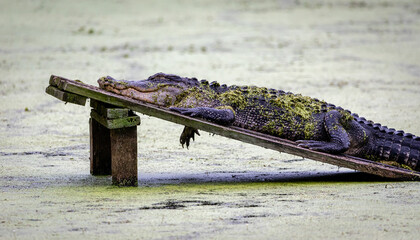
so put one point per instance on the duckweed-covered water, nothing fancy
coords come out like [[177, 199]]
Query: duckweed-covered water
[[361, 55]]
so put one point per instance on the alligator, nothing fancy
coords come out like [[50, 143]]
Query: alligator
[[312, 123]]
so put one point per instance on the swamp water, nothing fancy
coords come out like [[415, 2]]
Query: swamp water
[[361, 55]]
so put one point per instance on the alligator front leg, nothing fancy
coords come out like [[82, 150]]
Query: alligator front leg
[[223, 116], [188, 134], [339, 138]]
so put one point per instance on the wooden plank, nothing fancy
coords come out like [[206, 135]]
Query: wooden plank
[[54, 80], [109, 111], [66, 96], [100, 149], [124, 156], [115, 123], [255, 138]]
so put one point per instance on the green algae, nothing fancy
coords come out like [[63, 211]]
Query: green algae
[[365, 137], [284, 115], [260, 92], [272, 128], [309, 130], [196, 97], [298, 105], [235, 98], [395, 164]]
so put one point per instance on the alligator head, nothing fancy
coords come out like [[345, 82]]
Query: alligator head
[[160, 89]]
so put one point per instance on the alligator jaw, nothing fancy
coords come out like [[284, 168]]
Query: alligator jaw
[[150, 97], [110, 83], [159, 94]]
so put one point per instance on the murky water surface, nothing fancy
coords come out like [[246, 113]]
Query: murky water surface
[[361, 55]]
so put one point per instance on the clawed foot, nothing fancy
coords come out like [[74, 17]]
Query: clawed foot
[[187, 134], [328, 147]]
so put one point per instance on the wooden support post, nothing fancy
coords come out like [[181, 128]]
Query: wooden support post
[[100, 149], [124, 156], [113, 136]]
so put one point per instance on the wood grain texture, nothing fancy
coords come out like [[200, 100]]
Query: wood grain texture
[[124, 156], [109, 111], [66, 96], [100, 149]]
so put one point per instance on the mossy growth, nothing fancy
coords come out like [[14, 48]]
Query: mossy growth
[[196, 97], [365, 136], [168, 101], [234, 98], [396, 164], [378, 159], [309, 130], [272, 128], [258, 92], [285, 115], [298, 105], [346, 117], [374, 158]]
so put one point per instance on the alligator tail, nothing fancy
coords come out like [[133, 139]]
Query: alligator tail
[[392, 145]]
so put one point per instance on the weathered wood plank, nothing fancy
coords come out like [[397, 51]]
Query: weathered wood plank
[[109, 111], [124, 156], [66, 96], [255, 138], [100, 149], [54, 80], [116, 123]]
